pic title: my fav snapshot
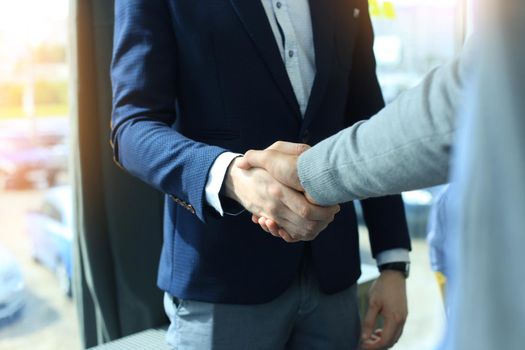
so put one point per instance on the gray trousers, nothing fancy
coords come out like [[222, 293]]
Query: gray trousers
[[302, 318]]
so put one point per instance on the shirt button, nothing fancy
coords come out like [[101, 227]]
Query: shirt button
[[278, 4], [290, 53]]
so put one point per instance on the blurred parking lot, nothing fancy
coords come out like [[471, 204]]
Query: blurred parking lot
[[48, 320]]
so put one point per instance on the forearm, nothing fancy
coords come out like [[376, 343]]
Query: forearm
[[165, 159], [145, 90], [339, 170], [405, 146]]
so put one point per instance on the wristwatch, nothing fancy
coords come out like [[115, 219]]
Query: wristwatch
[[403, 267]]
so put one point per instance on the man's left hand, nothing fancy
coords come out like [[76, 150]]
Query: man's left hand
[[387, 297]]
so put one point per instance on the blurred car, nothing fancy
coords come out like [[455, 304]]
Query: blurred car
[[28, 162], [417, 207], [12, 295], [50, 230]]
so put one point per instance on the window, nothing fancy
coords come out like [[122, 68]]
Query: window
[[412, 37], [34, 150]]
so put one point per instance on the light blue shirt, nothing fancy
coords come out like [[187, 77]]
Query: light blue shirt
[[439, 230], [292, 27]]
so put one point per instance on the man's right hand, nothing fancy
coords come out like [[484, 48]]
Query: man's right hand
[[257, 191], [280, 160]]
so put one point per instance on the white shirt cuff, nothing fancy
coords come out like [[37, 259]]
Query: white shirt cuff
[[216, 178], [393, 256]]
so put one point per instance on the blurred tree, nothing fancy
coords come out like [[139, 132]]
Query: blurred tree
[[51, 92], [49, 53], [11, 94]]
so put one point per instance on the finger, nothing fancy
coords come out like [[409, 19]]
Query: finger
[[262, 223], [287, 237], [273, 227], [303, 227], [289, 147], [397, 336], [369, 321], [243, 163], [282, 167], [259, 159], [287, 230], [304, 210], [401, 327], [388, 333], [371, 342]]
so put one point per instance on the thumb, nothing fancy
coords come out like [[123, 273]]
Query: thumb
[[290, 148], [369, 321], [256, 159], [243, 163]]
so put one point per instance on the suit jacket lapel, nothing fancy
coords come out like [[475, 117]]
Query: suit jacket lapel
[[254, 18], [323, 31]]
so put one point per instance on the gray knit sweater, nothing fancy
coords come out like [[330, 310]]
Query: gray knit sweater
[[405, 146]]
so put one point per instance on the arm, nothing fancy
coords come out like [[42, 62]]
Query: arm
[[405, 146], [144, 79]]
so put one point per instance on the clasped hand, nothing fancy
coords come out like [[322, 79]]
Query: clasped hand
[[272, 191], [266, 183]]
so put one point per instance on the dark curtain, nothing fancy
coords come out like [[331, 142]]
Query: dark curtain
[[119, 220]]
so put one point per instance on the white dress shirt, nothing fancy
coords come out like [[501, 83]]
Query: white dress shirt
[[291, 24]]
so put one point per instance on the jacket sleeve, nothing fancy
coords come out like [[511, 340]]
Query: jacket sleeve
[[385, 216], [144, 79], [404, 147]]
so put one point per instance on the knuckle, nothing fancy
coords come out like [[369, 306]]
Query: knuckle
[[275, 191], [398, 318], [330, 219], [302, 147], [272, 209], [305, 212], [311, 228], [311, 237], [293, 236]]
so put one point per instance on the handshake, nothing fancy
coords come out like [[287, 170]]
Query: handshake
[[267, 184]]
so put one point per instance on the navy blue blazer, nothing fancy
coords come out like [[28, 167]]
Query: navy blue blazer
[[193, 79]]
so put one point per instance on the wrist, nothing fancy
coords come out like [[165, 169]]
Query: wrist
[[231, 182], [392, 273]]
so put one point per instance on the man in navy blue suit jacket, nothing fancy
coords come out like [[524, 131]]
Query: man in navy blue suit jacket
[[196, 84]]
